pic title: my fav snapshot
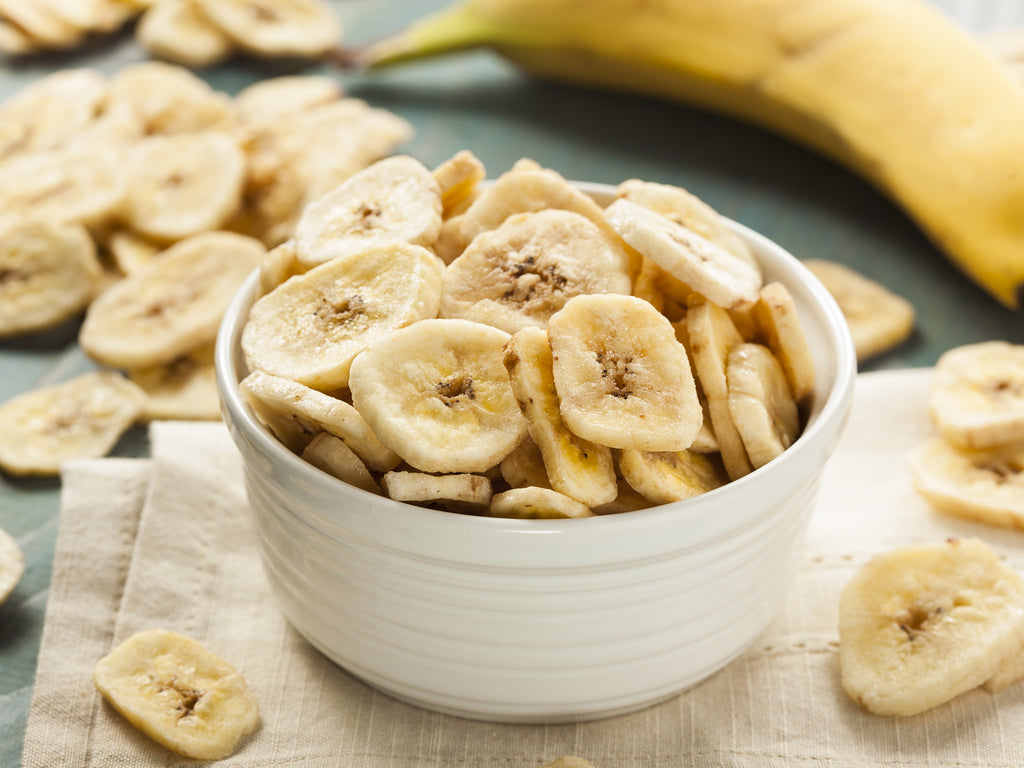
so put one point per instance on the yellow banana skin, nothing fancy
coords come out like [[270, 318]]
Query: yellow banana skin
[[893, 89]]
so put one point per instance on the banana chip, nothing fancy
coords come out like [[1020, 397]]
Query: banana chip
[[921, 625], [178, 693], [82, 417], [977, 395], [623, 379], [48, 273]]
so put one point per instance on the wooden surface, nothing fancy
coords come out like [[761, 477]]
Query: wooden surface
[[808, 205]]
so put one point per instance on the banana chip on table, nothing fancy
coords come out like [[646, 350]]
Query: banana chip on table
[[977, 395], [172, 305], [185, 388], [879, 319], [12, 565], [975, 468], [49, 273], [919, 626], [984, 486], [82, 417], [178, 693]]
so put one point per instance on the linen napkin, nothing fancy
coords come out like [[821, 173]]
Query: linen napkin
[[167, 542]]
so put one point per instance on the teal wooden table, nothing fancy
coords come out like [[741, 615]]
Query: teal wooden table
[[475, 100]]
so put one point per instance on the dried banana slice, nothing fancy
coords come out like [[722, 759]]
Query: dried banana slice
[[709, 269], [780, 329], [394, 200], [622, 378], [318, 412], [12, 565], [437, 393], [761, 403], [83, 182], [183, 184], [170, 99], [185, 388], [662, 477], [460, 492], [879, 319], [977, 395], [688, 210], [267, 100], [578, 468], [277, 265], [130, 250], [179, 31], [533, 503], [310, 327], [458, 177], [569, 761], [276, 28], [920, 625], [985, 486], [172, 305], [178, 693], [524, 466], [82, 417], [526, 188], [711, 333], [333, 456], [48, 273], [51, 111], [521, 273], [42, 23]]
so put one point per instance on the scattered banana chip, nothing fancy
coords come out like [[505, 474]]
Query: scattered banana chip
[[178, 693], [985, 486], [184, 184], [191, 33], [879, 319], [172, 305], [977, 395], [921, 625], [49, 273], [276, 28], [437, 394], [82, 417], [12, 565], [185, 388], [623, 378], [179, 31]]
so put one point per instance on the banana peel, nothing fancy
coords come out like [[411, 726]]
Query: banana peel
[[892, 89]]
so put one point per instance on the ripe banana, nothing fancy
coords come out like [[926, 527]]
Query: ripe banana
[[891, 88]]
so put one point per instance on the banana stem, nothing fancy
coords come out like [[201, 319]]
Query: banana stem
[[451, 29]]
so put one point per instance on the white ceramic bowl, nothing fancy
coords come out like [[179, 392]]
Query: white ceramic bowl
[[540, 620]]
